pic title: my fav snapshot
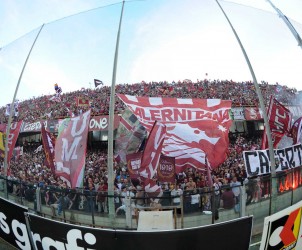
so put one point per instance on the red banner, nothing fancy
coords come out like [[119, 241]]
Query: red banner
[[166, 169], [279, 118], [70, 149], [195, 127], [48, 141], [134, 164], [82, 102], [252, 113]]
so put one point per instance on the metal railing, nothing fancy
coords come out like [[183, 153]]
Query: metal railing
[[87, 207]]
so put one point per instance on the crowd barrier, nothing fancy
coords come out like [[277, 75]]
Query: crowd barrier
[[196, 208]]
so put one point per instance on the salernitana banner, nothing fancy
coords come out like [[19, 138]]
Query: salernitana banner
[[50, 234], [257, 162], [282, 230], [12, 224]]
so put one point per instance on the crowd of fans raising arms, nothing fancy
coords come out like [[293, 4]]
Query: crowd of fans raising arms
[[30, 168]]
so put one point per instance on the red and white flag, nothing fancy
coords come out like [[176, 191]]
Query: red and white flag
[[196, 128], [70, 149], [279, 118], [296, 130], [152, 151]]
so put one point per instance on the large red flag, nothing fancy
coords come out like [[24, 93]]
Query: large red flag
[[12, 139], [195, 127], [48, 141], [279, 118], [70, 149]]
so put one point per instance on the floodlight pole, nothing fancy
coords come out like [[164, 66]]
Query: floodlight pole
[[288, 23], [12, 108], [111, 127], [273, 204]]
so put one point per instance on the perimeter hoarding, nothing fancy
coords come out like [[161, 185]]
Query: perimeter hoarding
[[282, 230], [12, 224], [49, 234]]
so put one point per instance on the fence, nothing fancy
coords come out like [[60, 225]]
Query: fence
[[191, 208]]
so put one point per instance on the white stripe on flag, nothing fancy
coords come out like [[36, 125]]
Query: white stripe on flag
[[213, 102], [131, 98], [184, 101], [155, 101]]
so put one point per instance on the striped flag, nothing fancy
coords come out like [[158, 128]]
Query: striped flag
[[152, 151]]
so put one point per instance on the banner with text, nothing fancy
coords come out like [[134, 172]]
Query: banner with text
[[166, 169], [96, 123], [12, 224], [257, 162], [70, 149], [70, 236]]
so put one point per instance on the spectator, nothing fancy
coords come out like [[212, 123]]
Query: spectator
[[228, 199]]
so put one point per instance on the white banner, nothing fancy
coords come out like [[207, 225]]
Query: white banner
[[282, 230], [257, 162]]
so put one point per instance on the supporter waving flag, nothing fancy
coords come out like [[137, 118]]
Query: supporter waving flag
[[70, 149]]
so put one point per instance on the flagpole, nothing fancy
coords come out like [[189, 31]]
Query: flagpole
[[273, 204], [12, 108], [288, 23], [111, 126]]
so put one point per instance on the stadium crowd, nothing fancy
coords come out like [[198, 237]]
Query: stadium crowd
[[30, 168], [241, 94]]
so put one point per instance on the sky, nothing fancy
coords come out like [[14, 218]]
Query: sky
[[160, 40]]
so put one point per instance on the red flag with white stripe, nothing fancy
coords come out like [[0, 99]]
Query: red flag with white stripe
[[152, 151]]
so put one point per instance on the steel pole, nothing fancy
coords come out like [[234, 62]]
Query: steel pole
[[111, 126], [12, 108], [265, 118]]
